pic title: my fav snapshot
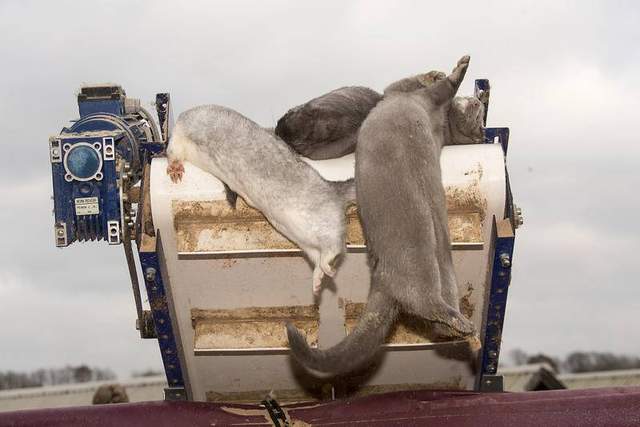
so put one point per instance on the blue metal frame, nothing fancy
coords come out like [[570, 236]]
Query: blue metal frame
[[500, 279], [157, 294], [502, 244]]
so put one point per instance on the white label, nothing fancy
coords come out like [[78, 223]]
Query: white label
[[87, 206]]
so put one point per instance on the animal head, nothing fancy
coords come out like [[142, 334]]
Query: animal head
[[466, 116]]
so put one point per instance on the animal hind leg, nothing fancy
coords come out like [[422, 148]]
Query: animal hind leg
[[329, 261], [175, 170], [318, 275], [445, 89], [450, 319]]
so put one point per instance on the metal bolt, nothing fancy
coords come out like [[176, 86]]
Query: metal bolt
[[61, 232], [518, 219], [150, 274], [493, 354], [491, 368], [505, 261]]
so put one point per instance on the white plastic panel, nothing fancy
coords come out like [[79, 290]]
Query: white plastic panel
[[473, 176]]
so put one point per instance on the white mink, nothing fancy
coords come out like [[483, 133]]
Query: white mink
[[269, 176]]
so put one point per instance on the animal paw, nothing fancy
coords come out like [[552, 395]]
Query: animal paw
[[317, 281], [459, 71], [175, 170], [317, 287]]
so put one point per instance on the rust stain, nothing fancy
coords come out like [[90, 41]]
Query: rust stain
[[228, 263], [252, 327], [355, 235], [467, 199], [465, 227], [213, 226], [466, 307]]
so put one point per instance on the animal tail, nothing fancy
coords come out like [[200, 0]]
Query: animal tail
[[346, 190], [357, 348]]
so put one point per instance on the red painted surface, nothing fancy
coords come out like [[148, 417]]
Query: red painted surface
[[594, 407]]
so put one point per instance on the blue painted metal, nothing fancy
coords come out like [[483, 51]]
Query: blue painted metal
[[153, 147], [85, 227], [502, 260], [500, 279], [102, 115], [101, 99], [157, 294], [501, 134], [482, 90]]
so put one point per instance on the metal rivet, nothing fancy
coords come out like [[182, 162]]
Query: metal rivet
[[505, 261], [150, 274]]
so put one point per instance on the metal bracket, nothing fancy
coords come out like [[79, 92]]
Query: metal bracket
[[165, 115], [157, 293], [55, 150], [146, 326], [60, 230], [109, 149], [114, 232], [492, 383], [175, 393], [503, 240], [276, 413], [482, 91]]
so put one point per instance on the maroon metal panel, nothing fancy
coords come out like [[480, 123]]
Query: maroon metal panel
[[593, 407]]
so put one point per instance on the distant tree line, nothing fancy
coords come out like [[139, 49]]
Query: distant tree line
[[54, 376], [146, 373], [579, 361]]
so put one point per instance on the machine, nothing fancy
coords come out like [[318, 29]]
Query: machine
[[221, 283]]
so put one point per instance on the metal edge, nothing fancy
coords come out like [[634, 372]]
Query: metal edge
[[286, 350], [297, 252], [162, 319], [500, 273]]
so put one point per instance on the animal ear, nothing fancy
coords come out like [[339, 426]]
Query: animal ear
[[457, 75], [431, 77]]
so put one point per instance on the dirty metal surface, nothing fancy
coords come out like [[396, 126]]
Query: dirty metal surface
[[213, 227], [251, 328], [602, 407]]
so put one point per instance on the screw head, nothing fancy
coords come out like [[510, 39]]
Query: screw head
[[505, 260], [150, 274]]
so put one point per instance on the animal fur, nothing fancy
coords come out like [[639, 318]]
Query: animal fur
[[327, 127], [403, 210], [269, 176]]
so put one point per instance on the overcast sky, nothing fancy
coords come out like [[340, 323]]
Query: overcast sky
[[565, 79]]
